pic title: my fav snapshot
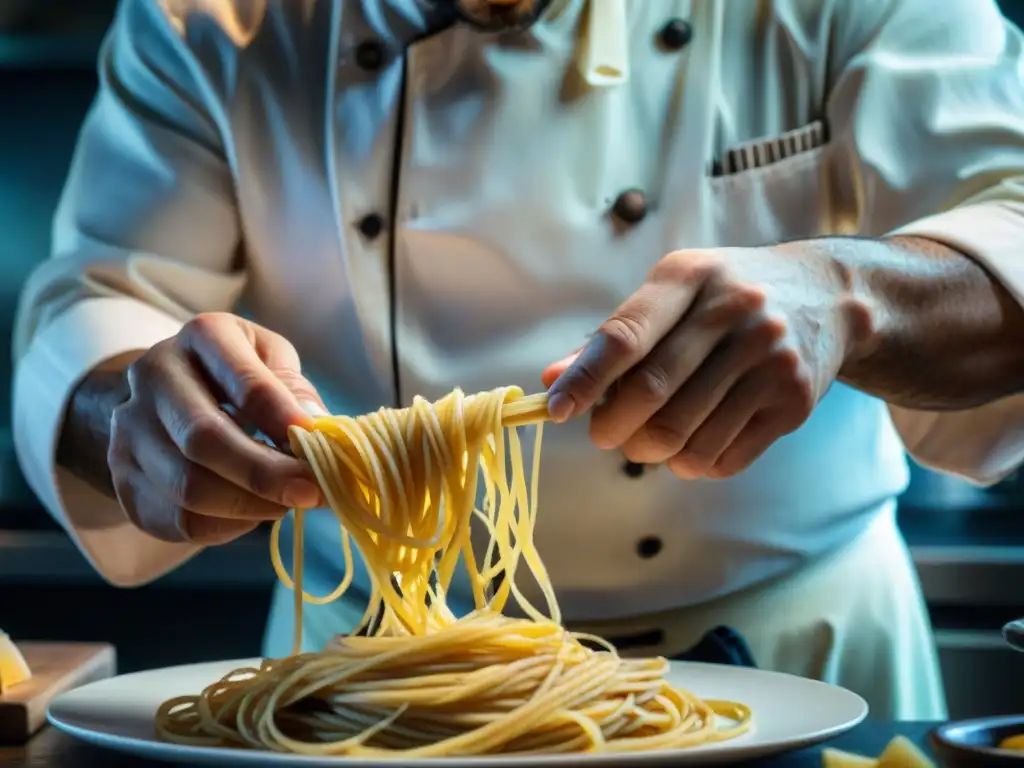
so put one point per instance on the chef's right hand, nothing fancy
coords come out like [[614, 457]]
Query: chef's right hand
[[185, 470]]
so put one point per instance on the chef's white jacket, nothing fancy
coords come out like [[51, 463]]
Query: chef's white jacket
[[418, 205]]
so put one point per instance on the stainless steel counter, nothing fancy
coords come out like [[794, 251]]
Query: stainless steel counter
[[44, 558], [971, 575]]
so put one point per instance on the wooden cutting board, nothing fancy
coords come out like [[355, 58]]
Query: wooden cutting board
[[56, 668]]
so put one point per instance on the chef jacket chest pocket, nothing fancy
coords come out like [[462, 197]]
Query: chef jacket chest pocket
[[772, 190]]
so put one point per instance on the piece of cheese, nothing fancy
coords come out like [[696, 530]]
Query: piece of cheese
[[901, 752], [13, 667], [836, 758], [1015, 743]]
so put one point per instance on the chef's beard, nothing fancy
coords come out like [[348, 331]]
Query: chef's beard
[[492, 16]]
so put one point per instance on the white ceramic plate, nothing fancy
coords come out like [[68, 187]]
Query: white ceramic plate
[[789, 712]]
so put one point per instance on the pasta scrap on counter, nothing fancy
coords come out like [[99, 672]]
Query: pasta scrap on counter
[[901, 752]]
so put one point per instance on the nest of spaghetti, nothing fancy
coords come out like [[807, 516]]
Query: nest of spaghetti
[[485, 684]]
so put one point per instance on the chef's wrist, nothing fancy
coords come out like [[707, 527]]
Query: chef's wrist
[[836, 268], [85, 434]]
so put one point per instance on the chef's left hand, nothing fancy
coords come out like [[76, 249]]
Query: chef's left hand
[[716, 356]]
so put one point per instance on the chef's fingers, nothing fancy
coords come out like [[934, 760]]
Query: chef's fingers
[[151, 511], [757, 437], [195, 488], [698, 392], [207, 436], [213, 531], [622, 341], [651, 384], [226, 348], [146, 507], [723, 426]]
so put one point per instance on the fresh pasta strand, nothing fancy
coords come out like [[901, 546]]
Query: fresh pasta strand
[[422, 682]]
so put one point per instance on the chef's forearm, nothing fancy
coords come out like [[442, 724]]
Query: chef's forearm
[[944, 334], [85, 436]]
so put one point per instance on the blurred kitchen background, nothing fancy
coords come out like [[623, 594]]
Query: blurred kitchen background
[[968, 543]]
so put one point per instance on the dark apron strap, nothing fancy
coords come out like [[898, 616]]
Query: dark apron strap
[[722, 645]]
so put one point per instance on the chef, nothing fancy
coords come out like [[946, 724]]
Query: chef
[[770, 244]]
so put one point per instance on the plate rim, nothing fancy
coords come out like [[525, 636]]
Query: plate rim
[[712, 752]]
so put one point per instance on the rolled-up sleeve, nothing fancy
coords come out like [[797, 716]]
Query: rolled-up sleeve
[[145, 236], [927, 117]]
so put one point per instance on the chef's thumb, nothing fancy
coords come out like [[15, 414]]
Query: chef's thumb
[[299, 406], [255, 371], [305, 393], [282, 360], [553, 371]]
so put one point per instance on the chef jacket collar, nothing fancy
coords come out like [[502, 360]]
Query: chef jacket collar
[[491, 17], [602, 57]]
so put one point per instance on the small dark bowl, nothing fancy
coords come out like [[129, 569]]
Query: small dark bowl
[[972, 743], [1013, 633]]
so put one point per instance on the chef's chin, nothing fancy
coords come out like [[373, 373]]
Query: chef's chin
[[496, 15]]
